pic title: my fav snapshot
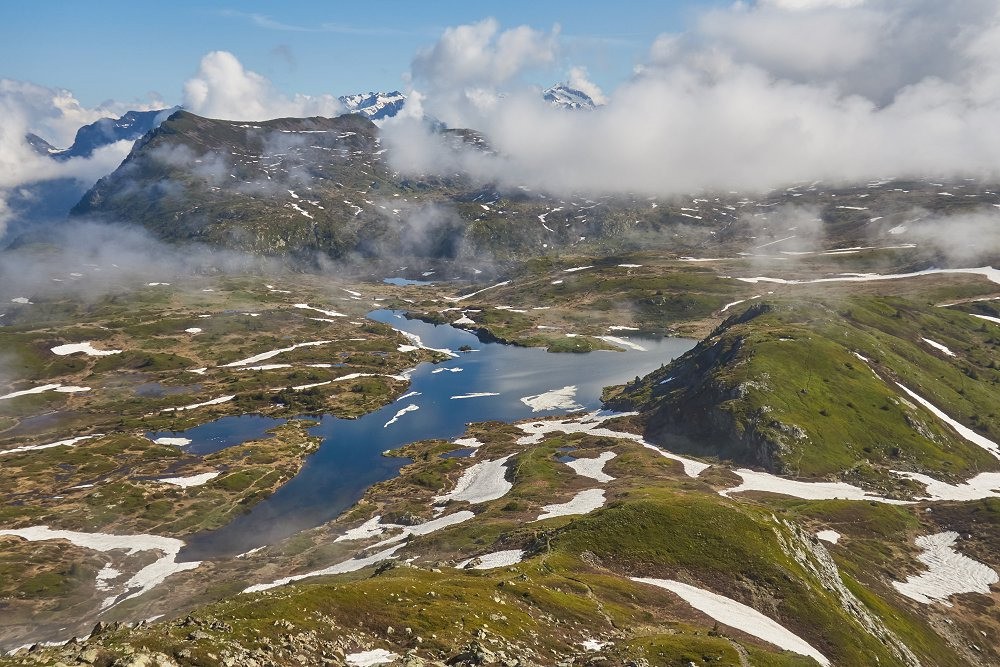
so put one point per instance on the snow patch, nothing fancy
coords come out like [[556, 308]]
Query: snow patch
[[409, 408], [480, 483], [142, 581], [967, 433], [584, 502], [328, 313], [763, 481], [378, 656], [179, 442], [554, 399], [737, 615], [492, 560], [192, 480], [214, 401], [85, 347], [591, 423], [938, 346], [62, 443], [273, 353], [623, 342], [948, 572], [830, 536], [593, 468]]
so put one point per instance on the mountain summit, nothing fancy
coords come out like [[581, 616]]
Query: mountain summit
[[374, 106], [564, 97]]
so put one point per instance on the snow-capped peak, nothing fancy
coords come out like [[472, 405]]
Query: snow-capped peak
[[374, 105], [564, 97]]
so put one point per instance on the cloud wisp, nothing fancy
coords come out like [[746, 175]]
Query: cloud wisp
[[755, 97]]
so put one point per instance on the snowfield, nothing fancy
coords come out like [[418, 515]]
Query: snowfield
[[830, 536], [273, 353], [62, 443], [60, 388], [555, 399], [987, 272], [763, 481], [86, 348], [191, 480], [214, 401], [967, 433], [591, 423], [378, 656], [412, 407], [480, 483], [938, 346], [983, 485], [142, 581], [492, 560], [593, 468], [737, 615], [584, 502], [948, 572], [178, 442]]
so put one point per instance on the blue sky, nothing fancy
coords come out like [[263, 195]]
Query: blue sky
[[120, 51]]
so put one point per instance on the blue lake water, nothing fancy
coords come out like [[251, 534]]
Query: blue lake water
[[350, 458], [221, 433]]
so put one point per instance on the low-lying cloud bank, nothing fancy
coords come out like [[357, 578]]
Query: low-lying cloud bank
[[754, 97]]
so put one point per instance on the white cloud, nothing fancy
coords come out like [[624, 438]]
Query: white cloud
[[579, 79], [462, 71], [55, 115], [756, 97], [224, 89]]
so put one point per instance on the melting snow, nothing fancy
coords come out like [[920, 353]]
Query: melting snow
[[967, 433], [994, 320], [492, 560], [830, 536], [938, 346], [466, 296], [987, 272], [582, 503], [273, 353], [983, 485], [593, 468], [480, 483], [179, 442], [623, 342], [554, 399], [409, 408], [737, 615], [86, 347], [373, 527], [328, 313], [142, 581], [214, 401], [591, 423], [948, 572], [192, 480], [378, 656], [478, 394], [351, 565], [64, 389], [62, 443], [762, 481]]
